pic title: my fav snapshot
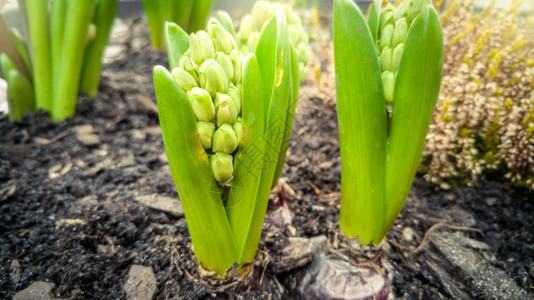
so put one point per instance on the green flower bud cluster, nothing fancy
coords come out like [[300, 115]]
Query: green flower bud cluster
[[394, 26], [210, 74], [251, 26]]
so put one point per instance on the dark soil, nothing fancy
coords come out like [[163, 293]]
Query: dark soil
[[68, 213]]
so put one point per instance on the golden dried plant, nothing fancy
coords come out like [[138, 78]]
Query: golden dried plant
[[484, 120]]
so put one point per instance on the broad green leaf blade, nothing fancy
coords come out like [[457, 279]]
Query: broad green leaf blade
[[37, 12], [20, 95], [362, 124], [374, 18], [416, 91], [243, 198], [66, 85], [155, 15], [199, 15], [179, 12], [290, 118], [226, 22], [274, 59], [104, 15], [204, 211], [177, 43]]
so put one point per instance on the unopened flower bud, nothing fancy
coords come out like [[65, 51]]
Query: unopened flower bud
[[253, 40], [245, 29], [226, 64], [416, 8], [201, 47], [236, 63], [386, 16], [205, 131], [184, 79], [261, 12], [222, 167], [397, 55], [201, 103], [400, 33], [238, 128], [235, 94], [226, 110], [386, 36], [187, 64], [212, 77], [225, 139], [223, 40], [402, 10], [386, 59], [388, 84]]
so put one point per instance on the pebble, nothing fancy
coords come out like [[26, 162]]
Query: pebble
[[491, 201], [408, 234], [15, 271], [85, 135], [141, 283], [169, 205], [38, 290]]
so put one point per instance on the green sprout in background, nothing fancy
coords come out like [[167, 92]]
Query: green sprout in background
[[190, 15], [61, 58], [388, 76], [224, 117]]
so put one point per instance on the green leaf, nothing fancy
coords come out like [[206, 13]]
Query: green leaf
[[177, 43], [155, 15], [66, 85], [243, 199], [374, 18], [20, 95], [416, 91], [274, 60], [38, 27], [226, 22], [199, 14], [104, 15], [210, 231], [362, 124], [290, 118], [57, 33], [179, 12]]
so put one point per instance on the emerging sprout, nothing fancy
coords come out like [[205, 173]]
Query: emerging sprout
[[384, 107]]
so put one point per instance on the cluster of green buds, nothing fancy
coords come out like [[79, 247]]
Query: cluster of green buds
[[262, 12], [394, 27], [210, 73]]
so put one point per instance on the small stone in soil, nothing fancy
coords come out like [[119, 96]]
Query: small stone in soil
[[141, 283], [39, 290], [15, 271], [169, 205]]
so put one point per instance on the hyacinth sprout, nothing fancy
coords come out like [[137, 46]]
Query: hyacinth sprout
[[388, 72], [223, 115], [62, 56]]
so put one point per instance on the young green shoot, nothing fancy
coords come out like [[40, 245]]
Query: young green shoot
[[388, 76]]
